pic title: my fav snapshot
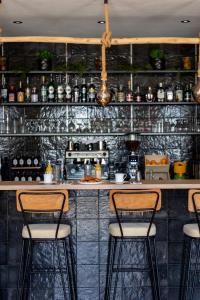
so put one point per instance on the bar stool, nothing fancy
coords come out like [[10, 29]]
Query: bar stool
[[50, 206], [127, 204], [191, 248]]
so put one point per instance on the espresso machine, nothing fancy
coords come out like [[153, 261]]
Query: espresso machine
[[76, 162], [134, 158]]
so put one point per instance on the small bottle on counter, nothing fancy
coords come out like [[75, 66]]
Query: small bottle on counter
[[98, 170]]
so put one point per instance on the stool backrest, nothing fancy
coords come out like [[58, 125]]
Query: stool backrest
[[135, 200], [122, 201], [42, 202], [194, 200]]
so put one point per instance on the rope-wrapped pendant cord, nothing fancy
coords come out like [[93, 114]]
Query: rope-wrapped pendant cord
[[198, 72], [105, 41]]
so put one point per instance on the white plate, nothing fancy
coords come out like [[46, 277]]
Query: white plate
[[119, 182], [42, 182], [82, 182]]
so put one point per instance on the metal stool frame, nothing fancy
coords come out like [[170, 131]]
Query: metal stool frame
[[28, 245], [149, 242], [189, 267]]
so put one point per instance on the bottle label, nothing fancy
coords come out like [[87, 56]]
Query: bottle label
[[28, 94], [129, 97], [51, 92], [16, 178], [15, 162], [160, 95], [20, 96], [23, 178], [34, 98], [28, 161], [76, 96], [179, 95], [21, 162], [170, 96], [43, 91], [4, 94], [11, 97], [36, 162], [30, 178]]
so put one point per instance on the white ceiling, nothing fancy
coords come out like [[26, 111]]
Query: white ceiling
[[129, 18]]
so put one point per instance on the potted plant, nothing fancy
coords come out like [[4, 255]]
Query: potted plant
[[157, 59], [45, 60]]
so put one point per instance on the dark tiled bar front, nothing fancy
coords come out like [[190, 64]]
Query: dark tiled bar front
[[90, 215]]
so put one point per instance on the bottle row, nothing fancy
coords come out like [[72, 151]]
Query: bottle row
[[27, 162], [87, 92], [26, 176]]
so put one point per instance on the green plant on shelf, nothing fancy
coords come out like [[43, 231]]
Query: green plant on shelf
[[45, 54], [157, 54]]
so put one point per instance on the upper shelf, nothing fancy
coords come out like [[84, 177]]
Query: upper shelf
[[96, 104], [16, 72]]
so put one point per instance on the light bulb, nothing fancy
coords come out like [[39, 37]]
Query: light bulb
[[196, 91], [104, 96]]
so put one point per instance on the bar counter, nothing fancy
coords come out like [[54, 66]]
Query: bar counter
[[90, 216], [105, 185]]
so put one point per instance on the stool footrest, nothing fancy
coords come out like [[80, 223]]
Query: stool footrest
[[131, 269]]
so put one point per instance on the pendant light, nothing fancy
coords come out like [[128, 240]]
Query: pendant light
[[104, 96], [196, 89]]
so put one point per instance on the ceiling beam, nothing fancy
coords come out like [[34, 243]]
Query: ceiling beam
[[97, 41]]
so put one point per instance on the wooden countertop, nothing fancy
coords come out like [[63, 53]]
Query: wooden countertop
[[106, 185]]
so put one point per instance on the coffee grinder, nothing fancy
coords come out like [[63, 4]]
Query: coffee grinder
[[133, 165]]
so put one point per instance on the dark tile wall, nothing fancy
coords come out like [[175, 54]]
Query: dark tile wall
[[89, 215], [96, 119]]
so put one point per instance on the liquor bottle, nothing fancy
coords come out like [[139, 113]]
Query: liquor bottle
[[149, 95], [43, 91], [23, 177], [20, 93], [76, 92], [129, 93], [187, 96], [17, 176], [121, 94], [34, 95], [27, 91], [51, 90], [169, 94], [11, 94], [160, 94], [60, 91], [91, 92], [35, 161], [83, 91], [138, 95], [28, 162], [178, 93], [21, 162], [29, 177], [68, 92], [38, 177], [4, 91], [15, 162]]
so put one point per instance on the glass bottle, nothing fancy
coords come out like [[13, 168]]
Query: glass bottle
[[11, 94], [51, 90], [121, 94], [187, 95], [20, 93], [4, 91], [43, 90], [76, 92], [178, 92], [91, 92], [27, 91], [129, 93], [60, 91], [34, 95], [160, 94], [138, 95], [149, 95], [83, 91], [169, 94], [68, 92]]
